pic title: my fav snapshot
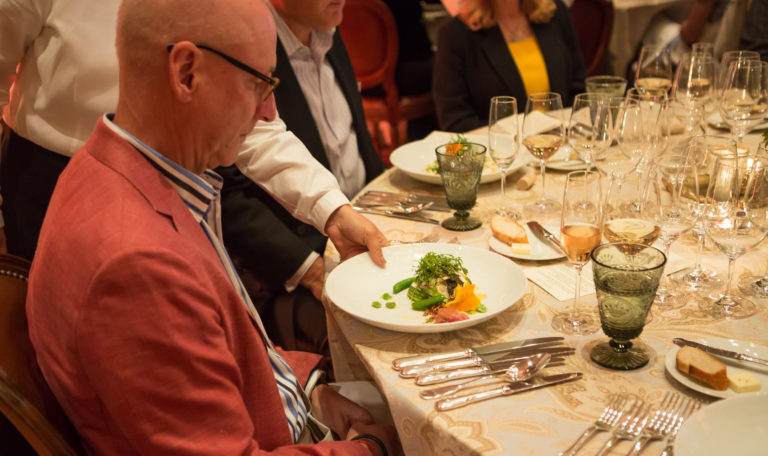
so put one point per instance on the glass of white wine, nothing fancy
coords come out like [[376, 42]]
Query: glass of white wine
[[626, 214], [503, 137], [654, 68], [580, 223], [543, 135]]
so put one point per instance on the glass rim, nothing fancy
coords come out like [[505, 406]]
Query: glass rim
[[633, 244], [605, 77], [475, 149]]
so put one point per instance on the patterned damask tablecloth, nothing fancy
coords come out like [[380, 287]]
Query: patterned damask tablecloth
[[542, 422]]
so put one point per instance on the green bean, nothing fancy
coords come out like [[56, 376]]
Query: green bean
[[390, 304], [403, 284], [386, 296], [376, 304], [429, 302]]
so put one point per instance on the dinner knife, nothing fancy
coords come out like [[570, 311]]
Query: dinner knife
[[508, 389], [400, 363], [484, 360], [546, 236], [498, 367], [720, 351], [388, 213]]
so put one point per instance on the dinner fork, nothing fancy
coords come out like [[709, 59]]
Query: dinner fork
[[690, 406], [605, 422], [635, 419], [661, 424]]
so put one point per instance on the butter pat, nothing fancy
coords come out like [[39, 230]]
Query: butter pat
[[743, 382], [520, 248]]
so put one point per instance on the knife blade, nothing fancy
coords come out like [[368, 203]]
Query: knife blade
[[481, 361], [490, 369], [388, 213], [720, 351], [546, 236], [400, 363], [506, 390]]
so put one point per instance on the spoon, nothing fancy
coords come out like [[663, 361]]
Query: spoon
[[519, 371], [410, 208]]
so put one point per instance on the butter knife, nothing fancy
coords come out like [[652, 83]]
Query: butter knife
[[720, 351], [546, 236], [389, 213], [506, 390]]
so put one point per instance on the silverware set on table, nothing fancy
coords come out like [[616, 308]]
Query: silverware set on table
[[629, 418], [490, 371], [407, 206]]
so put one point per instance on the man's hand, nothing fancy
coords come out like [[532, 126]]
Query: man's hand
[[352, 233], [336, 411], [313, 279], [387, 434]]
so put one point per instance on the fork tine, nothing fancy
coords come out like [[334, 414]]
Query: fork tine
[[634, 419], [688, 406], [605, 422]]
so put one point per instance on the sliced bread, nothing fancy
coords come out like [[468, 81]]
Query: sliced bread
[[507, 230], [703, 367]]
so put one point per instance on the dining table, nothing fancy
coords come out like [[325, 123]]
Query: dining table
[[545, 421]]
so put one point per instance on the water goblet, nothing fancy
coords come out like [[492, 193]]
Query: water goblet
[[543, 135], [654, 68], [502, 142], [625, 281], [579, 234], [460, 171]]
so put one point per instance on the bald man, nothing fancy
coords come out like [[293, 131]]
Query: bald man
[[141, 327]]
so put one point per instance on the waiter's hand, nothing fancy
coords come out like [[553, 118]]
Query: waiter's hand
[[314, 278], [352, 234]]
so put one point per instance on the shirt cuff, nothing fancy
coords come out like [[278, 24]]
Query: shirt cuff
[[293, 282], [325, 206]]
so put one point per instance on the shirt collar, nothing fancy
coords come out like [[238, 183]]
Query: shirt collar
[[197, 191], [320, 41]]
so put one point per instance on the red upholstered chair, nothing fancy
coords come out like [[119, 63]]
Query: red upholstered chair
[[593, 21], [370, 36], [25, 398]]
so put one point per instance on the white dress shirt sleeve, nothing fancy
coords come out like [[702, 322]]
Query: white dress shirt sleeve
[[275, 159], [21, 21]]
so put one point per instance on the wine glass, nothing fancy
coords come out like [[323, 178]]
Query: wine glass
[[654, 105], [744, 99], [703, 48], [543, 135], [607, 86], [756, 285], [590, 126], [704, 151], [737, 220], [725, 62], [628, 131], [676, 179], [502, 142], [579, 234], [654, 68], [625, 284], [694, 85], [460, 171], [624, 212]]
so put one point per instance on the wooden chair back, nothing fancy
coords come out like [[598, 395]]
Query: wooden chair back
[[593, 21]]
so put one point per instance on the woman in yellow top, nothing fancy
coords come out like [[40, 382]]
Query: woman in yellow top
[[526, 46]]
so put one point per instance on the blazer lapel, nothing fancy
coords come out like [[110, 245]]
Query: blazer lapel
[[496, 51]]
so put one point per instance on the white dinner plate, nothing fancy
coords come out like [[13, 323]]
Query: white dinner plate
[[716, 121], [540, 250], [735, 426], [758, 371], [356, 283], [415, 157]]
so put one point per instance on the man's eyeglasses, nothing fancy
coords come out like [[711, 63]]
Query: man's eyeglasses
[[272, 82]]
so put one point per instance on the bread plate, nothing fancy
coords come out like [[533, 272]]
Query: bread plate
[[356, 283], [540, 250], [759, 372], [737, 426], [415, 157]]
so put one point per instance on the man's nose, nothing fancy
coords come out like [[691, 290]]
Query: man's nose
[[267, 111]]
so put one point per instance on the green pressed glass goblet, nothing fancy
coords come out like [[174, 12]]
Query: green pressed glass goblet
[[460, 170], [626, 284]]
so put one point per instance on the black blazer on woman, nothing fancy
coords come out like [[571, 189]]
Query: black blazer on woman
[[471, 67]]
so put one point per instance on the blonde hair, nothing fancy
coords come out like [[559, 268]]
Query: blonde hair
[[538, 11]]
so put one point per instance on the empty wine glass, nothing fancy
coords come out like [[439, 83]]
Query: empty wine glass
[[654, 68], [744, 99], [502, 142], [756, 285], [628, 131], [654, 107], [579, 234], [543, 135], [703, 48], [737, 220], [694, 85], [590, 126]]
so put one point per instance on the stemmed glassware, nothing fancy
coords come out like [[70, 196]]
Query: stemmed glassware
[[503, 136], [654, 68], [628, 211], [543, 135], [590, 127], [694, 85], [579, 233], [756, 285], [628, 131], [737, 220], [460, 171], [654, 105], [744, 99]]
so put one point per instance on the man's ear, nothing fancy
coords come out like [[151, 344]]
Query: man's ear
[[183, 62]]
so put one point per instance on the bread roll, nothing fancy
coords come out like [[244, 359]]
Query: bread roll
[[507, 230], [702, 367]]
